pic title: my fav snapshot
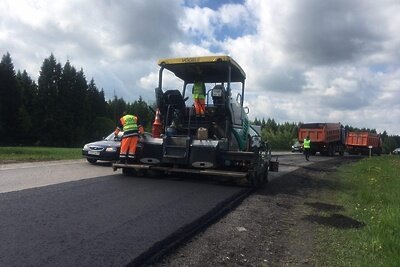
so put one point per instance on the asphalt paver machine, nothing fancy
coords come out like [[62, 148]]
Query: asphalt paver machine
[[222, 142]]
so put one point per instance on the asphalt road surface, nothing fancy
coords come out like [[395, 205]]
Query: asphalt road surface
[[72, 213]]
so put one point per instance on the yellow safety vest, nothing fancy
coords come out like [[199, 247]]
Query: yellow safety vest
[[307, 143], [129, 122], [199, 90]]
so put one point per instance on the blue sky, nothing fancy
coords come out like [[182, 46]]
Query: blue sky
[[306, 60]]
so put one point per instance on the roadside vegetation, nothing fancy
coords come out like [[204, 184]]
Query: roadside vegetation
[[368, 191], [23, 154]]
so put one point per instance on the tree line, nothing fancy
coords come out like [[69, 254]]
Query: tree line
[[62, 109]]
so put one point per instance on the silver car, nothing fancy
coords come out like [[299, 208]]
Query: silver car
[[297, 147]]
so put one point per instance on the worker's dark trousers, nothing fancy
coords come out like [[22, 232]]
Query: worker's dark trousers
[[307, 153]]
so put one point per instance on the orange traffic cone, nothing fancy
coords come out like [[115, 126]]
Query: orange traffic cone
[[157, 126]]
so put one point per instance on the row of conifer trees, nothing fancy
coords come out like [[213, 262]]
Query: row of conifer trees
[[61, 109]]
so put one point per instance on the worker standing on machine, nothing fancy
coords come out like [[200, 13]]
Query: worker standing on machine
[[128, 124], [199, 98]]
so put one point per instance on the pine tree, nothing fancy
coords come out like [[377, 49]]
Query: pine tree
[[66, 106], [27, 119], [95, 101], [98, 124], [116, 107], [47, 101], [80, 109], [142, 111], [10, 102]]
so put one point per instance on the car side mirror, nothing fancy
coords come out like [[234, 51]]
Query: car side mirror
[[246, 110]]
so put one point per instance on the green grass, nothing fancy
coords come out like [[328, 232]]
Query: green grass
[[22, 154], [370, 193]]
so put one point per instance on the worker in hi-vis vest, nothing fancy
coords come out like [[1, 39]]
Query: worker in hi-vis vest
[[307, 147], [199, 98], [128, 124]]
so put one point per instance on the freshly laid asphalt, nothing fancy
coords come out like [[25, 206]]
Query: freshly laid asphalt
[[104, 221], [94, 220]]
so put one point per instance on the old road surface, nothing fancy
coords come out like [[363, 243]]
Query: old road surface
[[71, 213]]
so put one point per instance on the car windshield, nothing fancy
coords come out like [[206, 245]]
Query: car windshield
[[110, 137]]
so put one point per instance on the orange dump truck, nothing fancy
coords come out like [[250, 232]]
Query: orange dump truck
[[326, 138], [361, 142]]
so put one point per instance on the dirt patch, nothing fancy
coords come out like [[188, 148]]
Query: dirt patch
[[276, 226]]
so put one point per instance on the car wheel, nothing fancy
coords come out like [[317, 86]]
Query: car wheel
[[90, 160]]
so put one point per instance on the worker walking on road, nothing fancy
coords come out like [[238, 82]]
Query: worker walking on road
[[128, 124], [307, 147], [199, 98]]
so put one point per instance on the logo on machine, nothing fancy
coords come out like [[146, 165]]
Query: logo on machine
[[190, 59]]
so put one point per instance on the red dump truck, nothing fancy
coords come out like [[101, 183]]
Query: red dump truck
[[326, 138], [362, 142]]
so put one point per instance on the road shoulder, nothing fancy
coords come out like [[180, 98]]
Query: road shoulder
[[270, 228]]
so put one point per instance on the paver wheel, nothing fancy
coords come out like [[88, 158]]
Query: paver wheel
[[128, 171], [265, 176]]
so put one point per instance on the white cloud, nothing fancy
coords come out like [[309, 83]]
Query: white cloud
[[232, 14], [344, 59], [306, 60], [197, 21]]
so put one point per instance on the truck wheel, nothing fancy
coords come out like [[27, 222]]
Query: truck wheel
[[331, 151]]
